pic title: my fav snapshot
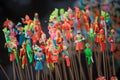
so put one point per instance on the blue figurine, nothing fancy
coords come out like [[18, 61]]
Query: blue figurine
[[39, 56], [20, 33]]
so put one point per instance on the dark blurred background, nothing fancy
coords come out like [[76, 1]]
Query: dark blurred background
[[16, 9]]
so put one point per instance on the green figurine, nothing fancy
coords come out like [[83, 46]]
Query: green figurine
[[88, 54], [29, 51]]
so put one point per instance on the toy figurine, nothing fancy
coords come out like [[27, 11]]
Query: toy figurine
[[29, 51], [39, 57], [112, 40], [87, 11], [20, 32], [48, 55], [91, 32], [65, 55], [52, 33], [77, 16], [12, 48], [88, 54], [23, 55], [78, 40], [102, 40], [102, 22], [67, 28], [27, 20]]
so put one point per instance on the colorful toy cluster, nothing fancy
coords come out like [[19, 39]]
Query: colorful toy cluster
[[72, 33]]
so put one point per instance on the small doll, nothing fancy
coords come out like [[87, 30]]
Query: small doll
[[20, 32], [67, 28], [102, 40], [65, 55], [48, 53], [23, 55], [27, 20], [54, 54], [102, 22], [12, 49], [91, 32], [112, 40], [77, 17], [87, 11], [39, 57], [88, 54], [52, 33], [78, 40], [29, 51]]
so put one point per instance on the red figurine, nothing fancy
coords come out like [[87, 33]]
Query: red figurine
[[23, 55], [111, 40], [102, 40]]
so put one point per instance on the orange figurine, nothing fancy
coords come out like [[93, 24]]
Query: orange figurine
[[67, 28]]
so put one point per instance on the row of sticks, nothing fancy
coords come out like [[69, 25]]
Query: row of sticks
[[79, 70]]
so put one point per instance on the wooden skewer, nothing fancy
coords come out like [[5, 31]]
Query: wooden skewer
[[76, 68], [114, 73], [73, 61], [104, 64], [51, 76], [19, 68], [4, 72], [14, 74], [31, 69], [56, 73], [28, 72], [59, 67], [17, 72], [38, 75], [64, 70], [71, 74], [80, 65]]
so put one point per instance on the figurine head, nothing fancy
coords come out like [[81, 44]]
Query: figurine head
[[112, 31], [101, 31], [9, 24], [87, 7], [87, 45], [27, 17], [101, 17]]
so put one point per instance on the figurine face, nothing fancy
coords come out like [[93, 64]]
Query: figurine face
[[39, 54], [27, 17]]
